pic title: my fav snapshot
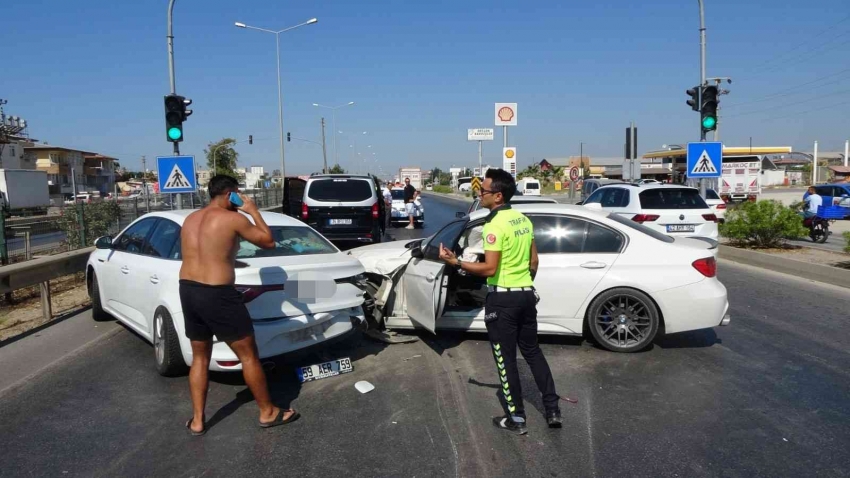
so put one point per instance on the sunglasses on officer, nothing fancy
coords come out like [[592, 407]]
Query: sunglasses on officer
[[484, 192]]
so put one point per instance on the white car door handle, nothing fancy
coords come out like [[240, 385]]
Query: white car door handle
[[430, 277], [125, 270], [594, 265], [154, 279]]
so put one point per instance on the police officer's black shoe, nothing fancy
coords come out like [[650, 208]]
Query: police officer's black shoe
[[553, 418], [511, 425]]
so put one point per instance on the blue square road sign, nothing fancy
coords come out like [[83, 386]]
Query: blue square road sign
[[176, 174], [705, 160]]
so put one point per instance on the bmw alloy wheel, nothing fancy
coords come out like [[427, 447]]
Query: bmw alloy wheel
[[159, 338]]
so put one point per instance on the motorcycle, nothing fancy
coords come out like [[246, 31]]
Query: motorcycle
[[818, 229]]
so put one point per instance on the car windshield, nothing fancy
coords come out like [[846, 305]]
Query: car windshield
[[289, 241], [640, 227], [672, 198], [398, 194], [339, 190]]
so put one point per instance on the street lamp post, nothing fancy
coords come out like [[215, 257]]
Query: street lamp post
[[279, 93], [333, 115]]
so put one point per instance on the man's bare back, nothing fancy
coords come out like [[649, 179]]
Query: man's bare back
[[210, 239]]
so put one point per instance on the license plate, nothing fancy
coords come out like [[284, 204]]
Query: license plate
[[681, 228], [338, 222], [325, 370]]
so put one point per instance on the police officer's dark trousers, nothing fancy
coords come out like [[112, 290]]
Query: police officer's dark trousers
[[511, 319]]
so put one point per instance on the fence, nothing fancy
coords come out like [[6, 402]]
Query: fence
[[66, 227]]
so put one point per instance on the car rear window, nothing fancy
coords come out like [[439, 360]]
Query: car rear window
[[532, 186], [711, 194], [672, 198], [289, 241], [398, 194], [640, 227], [340, 190]]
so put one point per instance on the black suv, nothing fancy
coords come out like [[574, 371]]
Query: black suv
[[342, 207]]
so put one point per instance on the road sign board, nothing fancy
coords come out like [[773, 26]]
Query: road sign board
[[475, 184], [705, 160], [509, 160], [176, 174], [573, 173], [505, 114], [479, 134]]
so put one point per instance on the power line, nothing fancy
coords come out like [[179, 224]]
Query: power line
[[789, 104], [811, 53], [807, 111], [809, 40], [781, 94]]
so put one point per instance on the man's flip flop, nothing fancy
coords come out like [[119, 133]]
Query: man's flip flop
[[193, 432], [279, 420]]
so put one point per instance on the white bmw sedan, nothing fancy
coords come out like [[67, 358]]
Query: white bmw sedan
[[599, 272], [301, 293]]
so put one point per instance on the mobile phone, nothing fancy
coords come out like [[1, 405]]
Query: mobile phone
[[236, 200]]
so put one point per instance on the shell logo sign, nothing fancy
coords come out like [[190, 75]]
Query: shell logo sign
[[510, 153], [509, 160], [506, 114]]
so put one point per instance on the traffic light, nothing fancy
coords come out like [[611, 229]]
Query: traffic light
[[175, 114], [694, 101], [288, 136], [708, 108], [250, 139]]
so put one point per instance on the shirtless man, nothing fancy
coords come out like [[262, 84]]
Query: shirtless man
[[212, 306]]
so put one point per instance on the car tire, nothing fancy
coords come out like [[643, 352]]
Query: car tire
[[97, 312], [166, 345], [632, 314]]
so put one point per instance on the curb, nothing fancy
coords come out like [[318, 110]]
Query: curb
[[816, 272]]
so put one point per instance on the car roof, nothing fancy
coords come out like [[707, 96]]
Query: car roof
[[645, 187], [606, 181], [543, 208], [337, 176], [271, 218], [531, 199]]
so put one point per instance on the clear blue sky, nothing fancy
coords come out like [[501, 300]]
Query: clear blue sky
[[91, 74]]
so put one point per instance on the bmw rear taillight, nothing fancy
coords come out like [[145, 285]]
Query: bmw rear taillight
[[706, 266], [227, 363], [721, 206], [710, 217], [375, 211], [251, 292], [642, 218], [305, 212]]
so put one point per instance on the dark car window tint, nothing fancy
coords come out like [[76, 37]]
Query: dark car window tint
[[596, 197], [672, 198], [558, 234], [340, 190], [640, 227], [447, 236], [614, 197], [133, 239], [823, 191], [162, 239], [711, 194], [602, 240]]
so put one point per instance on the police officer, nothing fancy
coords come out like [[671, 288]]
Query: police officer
[[510, 264]]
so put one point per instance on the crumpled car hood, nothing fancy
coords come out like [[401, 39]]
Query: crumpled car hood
[[383, 258]]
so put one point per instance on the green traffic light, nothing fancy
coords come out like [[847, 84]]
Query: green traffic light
[[709, 122], [175, 133]]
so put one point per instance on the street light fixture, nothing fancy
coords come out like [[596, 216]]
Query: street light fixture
[[279, 94], [333, 114]]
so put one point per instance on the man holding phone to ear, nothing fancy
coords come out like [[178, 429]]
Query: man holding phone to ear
[[211, 304]]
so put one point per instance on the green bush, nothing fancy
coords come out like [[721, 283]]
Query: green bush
[[847, 239], [439, 188], [762, 224], [99, 217]]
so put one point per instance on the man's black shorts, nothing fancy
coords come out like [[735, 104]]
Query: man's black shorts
[[214, 310]]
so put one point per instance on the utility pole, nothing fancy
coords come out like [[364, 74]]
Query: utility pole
[[145, 184], [173, 84], [324, 148]]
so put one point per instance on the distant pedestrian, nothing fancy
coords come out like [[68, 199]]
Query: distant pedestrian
[[510, 311], [211, 304], [409, 197], [388, 200]]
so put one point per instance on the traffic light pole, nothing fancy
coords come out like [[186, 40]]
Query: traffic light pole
[[702, 187], [171, 77]]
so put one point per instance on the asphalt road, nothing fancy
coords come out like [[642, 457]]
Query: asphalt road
[[766, 396]]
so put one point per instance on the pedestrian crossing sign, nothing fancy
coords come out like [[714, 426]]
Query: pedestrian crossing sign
[[705, 160], [176, 174]]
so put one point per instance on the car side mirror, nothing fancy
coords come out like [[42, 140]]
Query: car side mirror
[[103, 242], [416, 251], [460, 214]]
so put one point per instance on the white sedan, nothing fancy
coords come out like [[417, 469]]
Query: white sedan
[[301, 293], [399, 209], [599, 272]]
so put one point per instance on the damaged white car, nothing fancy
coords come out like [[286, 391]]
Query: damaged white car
[[614, 278]]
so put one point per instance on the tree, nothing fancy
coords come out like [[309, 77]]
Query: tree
[[336, 169], [225, 157]]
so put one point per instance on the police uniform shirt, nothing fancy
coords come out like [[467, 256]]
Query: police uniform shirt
[[511, 233]]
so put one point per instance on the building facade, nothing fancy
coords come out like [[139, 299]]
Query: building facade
[[100, 173]]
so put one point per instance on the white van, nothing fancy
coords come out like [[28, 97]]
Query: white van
[[528, 187]]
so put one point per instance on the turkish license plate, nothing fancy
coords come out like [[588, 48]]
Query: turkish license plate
[[339, 222], [325, 370], [681, 228]]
